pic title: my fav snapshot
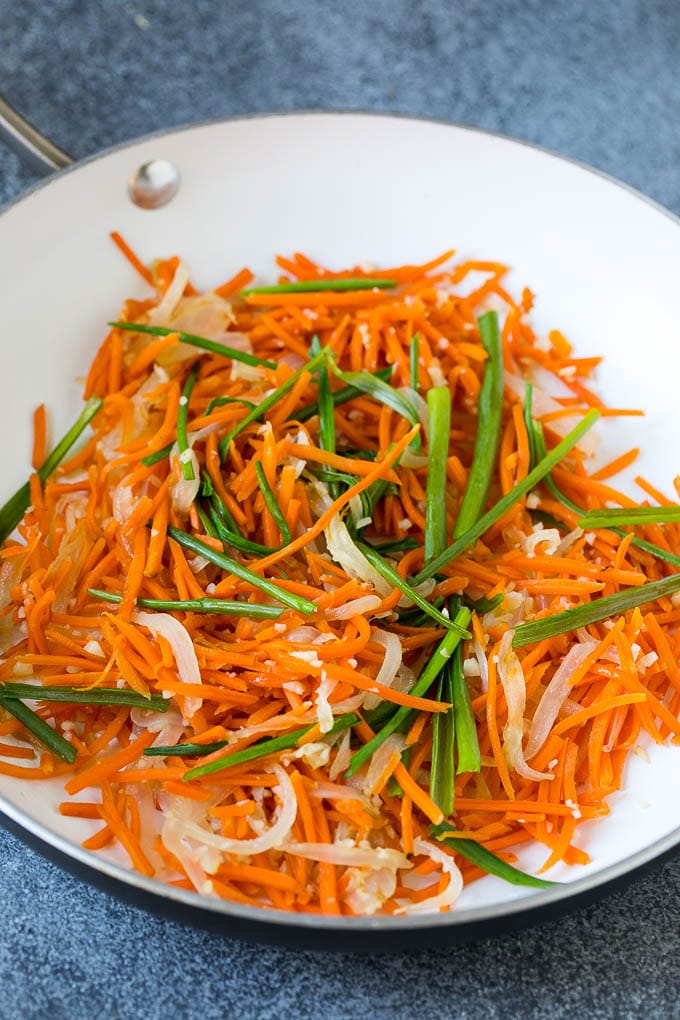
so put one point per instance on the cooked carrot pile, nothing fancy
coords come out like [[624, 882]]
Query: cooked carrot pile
[[328, 611]]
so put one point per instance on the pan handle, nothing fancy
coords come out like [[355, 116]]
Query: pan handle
[[37, 151]]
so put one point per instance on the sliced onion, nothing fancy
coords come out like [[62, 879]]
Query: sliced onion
[[348, 854], [10, 572], [515, 607], [156, 722], [302, 439], [151, 820], [356, 607], [178, 814], [390, 664], [342, 548], [160, 315], [550, 537], [211, 316], [353, 562], [74, 508], [123, 501], [379, 759], [303, 635], [367, 891], [324, 711], [293, 360], [555, 695], [183, 491], [342, 757], [316, 753], [568, 540], [349, 704], [411, 459], [197, 563], [480, 656], [182, 647], [335, 791], [448, 897], [272, 838], [512, 678]]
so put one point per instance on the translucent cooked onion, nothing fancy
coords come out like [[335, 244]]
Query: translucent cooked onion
[[183, 491], [353, 562], [390, 664], [394, 743], [335, 791], [161, 314], [342, 757], [342, 548], [324, 711], [303, 635], [555, 695], [179, 813], [366, 891], [348, 854], [567, 542], [157, 722], [448, 897], [512, 678], [10, 572], [293, 360], [211, 316], [549, 538], [316, 754], [269, 840], [182, 648], [151, 820], [349, 704], [73, 507], [301, 439], [411, 459], [356, 607], [123, 501], [480, 656]]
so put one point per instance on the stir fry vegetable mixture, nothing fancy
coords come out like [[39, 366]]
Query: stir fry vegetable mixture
[[318, 607]]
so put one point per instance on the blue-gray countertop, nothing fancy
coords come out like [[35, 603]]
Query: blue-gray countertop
[[594, 79]]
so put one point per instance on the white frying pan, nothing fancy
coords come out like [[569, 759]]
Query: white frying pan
[[603, 261]]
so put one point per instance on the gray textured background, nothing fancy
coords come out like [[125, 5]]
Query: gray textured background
[[595, 80]]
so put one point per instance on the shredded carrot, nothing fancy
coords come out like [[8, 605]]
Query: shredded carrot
[[143, 271]]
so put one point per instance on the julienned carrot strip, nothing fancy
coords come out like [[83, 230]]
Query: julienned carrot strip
[[143, 271], [79, 810], [95, 774], [39, 436], [606, 705], [492, 727], [186, 790], [102, 838], [258, 876], [133, 581], [150, 352], [419, 797], [125, 837], [237, 282]]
